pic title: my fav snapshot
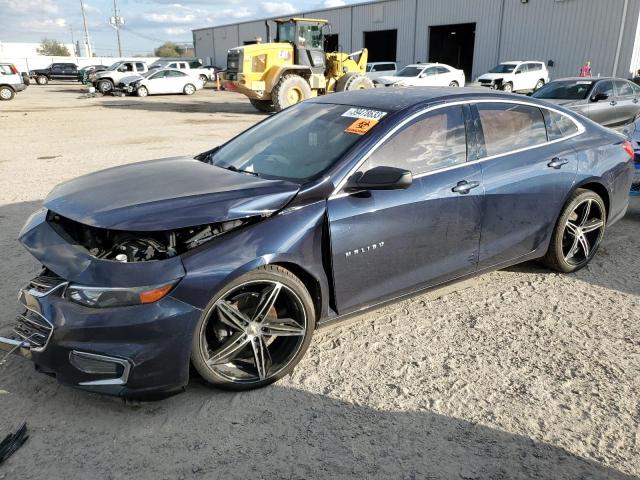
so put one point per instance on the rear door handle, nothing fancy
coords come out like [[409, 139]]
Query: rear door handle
[[557, 162], [463, 187]]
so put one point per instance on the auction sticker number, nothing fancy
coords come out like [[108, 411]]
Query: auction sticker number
[[364, 113]]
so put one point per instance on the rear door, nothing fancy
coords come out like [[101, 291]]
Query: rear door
[[176, 81], [57, 71], [627, 98], [526, 177], [386, 243]]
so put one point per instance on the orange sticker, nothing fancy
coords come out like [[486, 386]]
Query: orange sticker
[[361, 126]]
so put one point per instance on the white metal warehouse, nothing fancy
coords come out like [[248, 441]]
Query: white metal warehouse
[[470, 34]]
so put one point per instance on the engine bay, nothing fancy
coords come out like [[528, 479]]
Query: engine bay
[[126, 246]]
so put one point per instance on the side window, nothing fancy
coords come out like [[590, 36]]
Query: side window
[[521, 69], [387, 67], [605, 87], [534, 67], [437, 140], [509, 127], [158, 75], [624, 88], [195, 64], [429, 71], [635, 88], [558, 125], [5, 70], [174, 73], [441, 70], [140, 67], [173, 65]]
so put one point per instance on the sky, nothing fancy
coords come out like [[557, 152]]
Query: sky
[[148, 23]]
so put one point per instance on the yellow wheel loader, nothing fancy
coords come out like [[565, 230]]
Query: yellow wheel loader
[[276, 75]]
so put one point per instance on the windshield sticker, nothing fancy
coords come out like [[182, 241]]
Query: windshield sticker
[[365, 113], [361, 126], [584, 82]]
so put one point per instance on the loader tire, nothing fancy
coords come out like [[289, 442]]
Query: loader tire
[[265, 106], [353, 81], [291, 89]]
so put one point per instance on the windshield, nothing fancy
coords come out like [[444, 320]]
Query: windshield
[[504, 68], [298, 144], [409, 72], [114, 66], [565, 90]]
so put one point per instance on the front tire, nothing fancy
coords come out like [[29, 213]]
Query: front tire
[[254, 331], [291, 89], [42, 79], [189, 89], [105, 86], [353, 81], [142, 91], [507, 87], [265, 106], [578, 233], [6, 93]]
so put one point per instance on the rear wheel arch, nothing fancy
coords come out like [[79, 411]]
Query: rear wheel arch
[[597, 188]]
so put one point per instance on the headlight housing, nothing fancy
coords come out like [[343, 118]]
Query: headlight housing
[[105, 297]]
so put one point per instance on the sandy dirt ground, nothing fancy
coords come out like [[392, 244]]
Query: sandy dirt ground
[[522, 373]]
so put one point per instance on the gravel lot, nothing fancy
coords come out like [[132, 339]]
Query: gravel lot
[[521, 373]]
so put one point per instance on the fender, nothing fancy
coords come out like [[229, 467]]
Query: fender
[[295, 237]]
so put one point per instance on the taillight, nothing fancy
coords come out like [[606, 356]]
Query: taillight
[[627, 147], [13, 68]]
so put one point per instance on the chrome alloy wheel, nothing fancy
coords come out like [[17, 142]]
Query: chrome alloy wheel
[[582, 232], [253, 331]]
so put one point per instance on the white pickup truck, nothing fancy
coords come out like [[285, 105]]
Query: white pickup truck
[[105, 80], [192, 68]]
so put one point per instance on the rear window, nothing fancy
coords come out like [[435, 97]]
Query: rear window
[[509, 127], [558, 125]]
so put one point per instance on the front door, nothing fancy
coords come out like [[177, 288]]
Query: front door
[[605, 112], [386, 243], [525, 178]]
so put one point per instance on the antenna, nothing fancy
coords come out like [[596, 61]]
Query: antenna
[[116, 22]]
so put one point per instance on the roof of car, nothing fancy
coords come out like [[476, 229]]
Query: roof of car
[[586, 79], [398, 99]]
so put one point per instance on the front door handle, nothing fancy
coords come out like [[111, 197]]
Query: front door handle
[[635, 100], [557, 162], [613, 103], [463, 187]]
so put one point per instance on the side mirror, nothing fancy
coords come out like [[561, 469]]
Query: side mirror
[[422, 75], [380, 178], [599, 97], [518, 72]]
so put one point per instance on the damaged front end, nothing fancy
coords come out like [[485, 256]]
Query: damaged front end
[[127, 246]]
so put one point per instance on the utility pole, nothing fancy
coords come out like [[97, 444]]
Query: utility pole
[[73, 41], [116, 21], [87, 40]]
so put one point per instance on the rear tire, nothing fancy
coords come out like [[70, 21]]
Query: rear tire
[[578, 232], [265, 106], [454, 84], [353, 81], [539, 85], [189, 89], [215, 334], [6, 93], [42, 79], [291, 89], [204, 79]]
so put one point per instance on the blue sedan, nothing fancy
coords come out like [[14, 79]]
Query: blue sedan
[[230, 260]]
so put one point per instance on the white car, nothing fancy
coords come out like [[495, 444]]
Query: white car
[[163, 81], [380, 69], [424, 75], [516, 76], [190, 67]]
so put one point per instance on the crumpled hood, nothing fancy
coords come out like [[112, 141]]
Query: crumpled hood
[[493, 76], [390, 79], [166, 194], [132, 78]]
